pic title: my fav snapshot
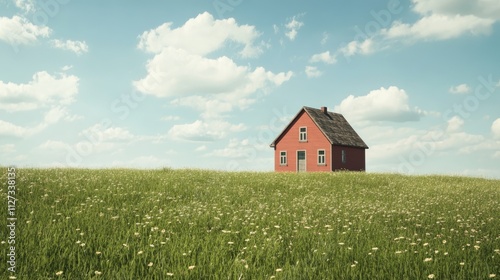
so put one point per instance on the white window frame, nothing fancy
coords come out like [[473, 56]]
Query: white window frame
[[303, 135], [323, 156], [285, 157], [343, 156]]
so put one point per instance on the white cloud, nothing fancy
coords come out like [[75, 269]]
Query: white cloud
[[325, 57], [204, 131], [438, 20], [19, 31], [54, 115], [312, 71], [78, 47], [66, 67], [479, 8], [293, 27], [355, 47], [177, 73], [384, 104], [43, 90], [100, 133], [495, 128], [455, 124], [182, 70], [28, 6], [235, 149], [439, 27], [201, 35], [460, 89]]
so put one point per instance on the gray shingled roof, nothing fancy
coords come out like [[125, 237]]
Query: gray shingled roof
[[334, 126]]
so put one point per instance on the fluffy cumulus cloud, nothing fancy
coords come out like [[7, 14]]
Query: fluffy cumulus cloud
[[293, 27], [18, 30], [52, 116], [43, 90], [455, 124], [102, 133], [185, 70], [201, 35], [460, 89], [495, 128], [204, 130], [384, 104], [324, 57], [312, 71], [78, 47], [438, 20]]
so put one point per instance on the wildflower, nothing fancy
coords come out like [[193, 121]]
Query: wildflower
[[399, 252], [170, 274], [150, 264], [230, 243], [462, 263], [140, 252], [341, 243], [12, 277], [427, 259], [279, 269], [444, 241], [374, 248], [431, 276], [493, 275], [97, 272], [125, 245], [191, 267], [97, 253], [59, 273], [83, 244]]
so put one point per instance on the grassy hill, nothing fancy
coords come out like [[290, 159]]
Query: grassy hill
[[193, 224]]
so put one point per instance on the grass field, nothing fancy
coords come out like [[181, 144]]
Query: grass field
[[193, 224]]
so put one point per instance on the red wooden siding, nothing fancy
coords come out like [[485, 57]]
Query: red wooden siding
[[354, 158], [290, 143]]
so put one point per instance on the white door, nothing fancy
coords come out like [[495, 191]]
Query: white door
[[301, 161]]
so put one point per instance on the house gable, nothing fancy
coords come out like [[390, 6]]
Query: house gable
[[290, 142]]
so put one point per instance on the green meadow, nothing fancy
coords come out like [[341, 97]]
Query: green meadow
[[195, 224]]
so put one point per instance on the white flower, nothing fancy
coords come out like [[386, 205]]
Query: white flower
[[150, 264], [427, 259], [59, 273], [97, 272], [431, 276], [191, 267], [279, 269]]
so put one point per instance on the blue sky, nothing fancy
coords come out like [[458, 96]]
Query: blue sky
[[210, 84]]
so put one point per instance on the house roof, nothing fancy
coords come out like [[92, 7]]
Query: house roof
[[333, 125]]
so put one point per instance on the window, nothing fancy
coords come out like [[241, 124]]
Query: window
[[303, 134], [283, 158], [321, 157], [343, 156]]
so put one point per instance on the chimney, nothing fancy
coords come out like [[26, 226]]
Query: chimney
[[324, 110]]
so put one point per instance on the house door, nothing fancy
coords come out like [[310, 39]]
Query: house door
[[301, 161]]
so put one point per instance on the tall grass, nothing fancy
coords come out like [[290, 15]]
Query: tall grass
[[194, 224]]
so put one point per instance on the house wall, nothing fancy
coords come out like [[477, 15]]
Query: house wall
[[291, 144], [355, 158]]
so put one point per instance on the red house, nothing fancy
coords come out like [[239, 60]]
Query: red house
[[318, 140]]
